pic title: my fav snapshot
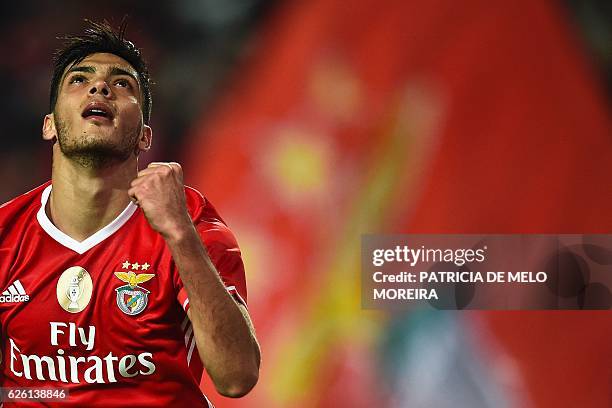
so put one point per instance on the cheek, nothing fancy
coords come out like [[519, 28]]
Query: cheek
[[133, 107], [132, 113], [60, 112], [64, 106]]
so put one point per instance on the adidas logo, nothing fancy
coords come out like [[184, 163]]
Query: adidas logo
[[14, 293]]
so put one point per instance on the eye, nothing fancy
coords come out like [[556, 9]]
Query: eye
[[123, 83], [77, 79]]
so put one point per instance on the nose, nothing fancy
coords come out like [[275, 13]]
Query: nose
[[100, 87]]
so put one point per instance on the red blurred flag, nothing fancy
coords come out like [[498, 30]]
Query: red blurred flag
[[407, 116]]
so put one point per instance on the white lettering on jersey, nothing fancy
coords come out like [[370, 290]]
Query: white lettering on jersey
[[146, 363], [72, 331], [14, 347], [125, 364], [68, 368], [15, 293], [97, 367]]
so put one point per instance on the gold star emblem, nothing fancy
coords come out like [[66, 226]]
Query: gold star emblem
[[135, 266], [145, 266], [126, 264]]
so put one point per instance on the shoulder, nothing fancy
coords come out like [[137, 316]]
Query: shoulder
[[211, 227], [22, 204], [200, 208]]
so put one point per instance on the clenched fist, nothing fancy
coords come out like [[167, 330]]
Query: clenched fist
[[159, 191]]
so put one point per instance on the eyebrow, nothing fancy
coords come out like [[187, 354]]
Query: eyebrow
[[121, 71], [92, 70]]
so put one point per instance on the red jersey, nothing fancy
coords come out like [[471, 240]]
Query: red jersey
[[104, 318]]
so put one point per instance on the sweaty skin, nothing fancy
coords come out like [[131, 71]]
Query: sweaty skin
[[95, 174]]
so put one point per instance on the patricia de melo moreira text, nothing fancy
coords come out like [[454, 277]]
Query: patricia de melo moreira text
[[459, 257]]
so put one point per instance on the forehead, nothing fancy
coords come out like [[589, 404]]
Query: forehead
[[103, 62]]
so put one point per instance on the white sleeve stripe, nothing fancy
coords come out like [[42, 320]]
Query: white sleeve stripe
[[184, 324], [190, 352], [185, 303], [232, 290], [188, 334], [210, 405]]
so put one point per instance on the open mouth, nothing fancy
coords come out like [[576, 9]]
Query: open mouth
[[97, 111]]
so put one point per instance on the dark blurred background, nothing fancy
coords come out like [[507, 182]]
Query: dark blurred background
[[194, 49]]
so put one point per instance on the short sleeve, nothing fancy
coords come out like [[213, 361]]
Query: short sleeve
[[222, 248]]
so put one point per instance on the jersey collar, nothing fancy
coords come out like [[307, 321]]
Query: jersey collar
[[82, 246]]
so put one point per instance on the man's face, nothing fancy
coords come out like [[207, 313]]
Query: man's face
[[98, 116]]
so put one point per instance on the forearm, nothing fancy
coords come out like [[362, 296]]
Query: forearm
[[226, 342], [224, 338]]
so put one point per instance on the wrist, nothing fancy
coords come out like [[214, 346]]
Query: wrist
[[179, 232]]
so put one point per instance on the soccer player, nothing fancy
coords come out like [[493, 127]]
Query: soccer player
[[117, 285]]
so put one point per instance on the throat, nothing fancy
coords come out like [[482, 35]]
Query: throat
[[80, 218]]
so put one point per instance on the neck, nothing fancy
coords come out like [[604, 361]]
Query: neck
[[84, 200]]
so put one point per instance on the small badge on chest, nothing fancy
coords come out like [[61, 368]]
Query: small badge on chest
[[132, 299], [74, 289]]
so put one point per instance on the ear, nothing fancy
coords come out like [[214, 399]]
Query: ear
[[146, 138], [48, 130]]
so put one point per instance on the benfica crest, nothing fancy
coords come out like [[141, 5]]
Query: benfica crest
[[131, 298]]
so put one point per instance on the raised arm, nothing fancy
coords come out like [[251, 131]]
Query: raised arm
[[223, 331]]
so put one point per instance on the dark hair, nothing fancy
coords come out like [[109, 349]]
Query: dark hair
[[101, 37]]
